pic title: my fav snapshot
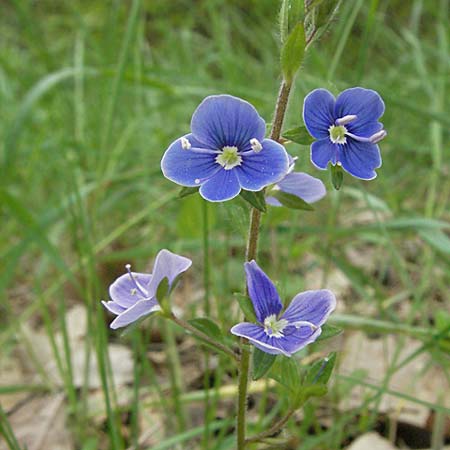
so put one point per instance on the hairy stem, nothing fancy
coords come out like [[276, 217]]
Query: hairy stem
[[251, 252]]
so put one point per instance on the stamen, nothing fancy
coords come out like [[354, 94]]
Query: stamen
[[304, 323], [346, 119], [185, 144], [377, 137], [256, 145], [136, 283]]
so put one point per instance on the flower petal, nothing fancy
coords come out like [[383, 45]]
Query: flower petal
[[113, 307], [364, 103], [311, 306], [123, 291], [360, 159], [167, 264], [222, 120], [258, 337], [318, 112], [259, 169], [294, 340], [140, 309], [323, 152], [262, 292], [302, 185], [185, 166], [224, 185]]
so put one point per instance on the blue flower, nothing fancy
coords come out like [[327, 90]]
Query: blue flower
[[225, 152], [289, 332], [133, 295], [300, 184], [347, 130]]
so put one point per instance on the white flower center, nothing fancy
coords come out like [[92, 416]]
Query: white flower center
[[229, 157], [274, 327], [337, 134]]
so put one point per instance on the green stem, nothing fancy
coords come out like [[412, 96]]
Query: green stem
[[273, 429], [251, 252], [204, 337], [175, 375], [206, 309]]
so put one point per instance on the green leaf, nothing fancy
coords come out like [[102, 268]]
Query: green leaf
[[262, 362], [256, 199], [246, 306], [208, 327], [329, 331], [436, 239], [286, 371], [185, 191], [299, 135], [292, 52], [291, 201], [315, 390], [337, 176], [162, 290], [320, 371]]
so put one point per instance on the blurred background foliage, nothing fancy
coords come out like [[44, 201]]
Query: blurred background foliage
[[93, 92]]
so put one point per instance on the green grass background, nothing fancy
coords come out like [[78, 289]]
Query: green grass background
[[92, 93]]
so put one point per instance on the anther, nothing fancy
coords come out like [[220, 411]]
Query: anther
[[185, 144], [197, 181], [303, 323], [138, 287], [256, 145], [346, 119], [378, 136]]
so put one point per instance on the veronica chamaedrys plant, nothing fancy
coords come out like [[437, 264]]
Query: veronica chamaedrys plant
[[225, 152], [347, 130], [133, 295], [300, 184], [289, 332]]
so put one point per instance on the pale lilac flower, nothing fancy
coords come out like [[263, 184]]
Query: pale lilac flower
[[347, 130], [285, 333], [133, 295], [300, 184], [225, 152]]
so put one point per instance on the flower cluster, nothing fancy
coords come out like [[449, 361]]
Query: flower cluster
[[226, 152]]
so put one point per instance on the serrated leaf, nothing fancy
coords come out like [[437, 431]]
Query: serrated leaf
[[256, 199], [299, 135], [329, 331], [292, 52], [337, 176], [320, 371], [291, 201], [262, 362], [185, 191], [208, 327], [246, 306]]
